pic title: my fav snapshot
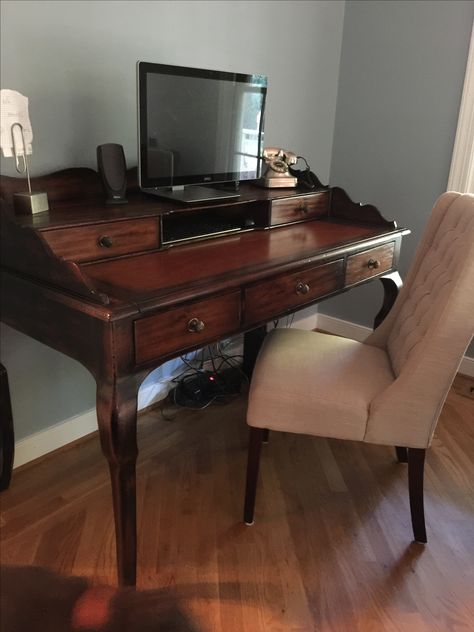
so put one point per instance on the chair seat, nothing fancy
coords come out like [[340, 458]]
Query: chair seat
[[318, 384]]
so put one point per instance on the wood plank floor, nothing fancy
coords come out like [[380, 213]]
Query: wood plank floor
[[331, 547]]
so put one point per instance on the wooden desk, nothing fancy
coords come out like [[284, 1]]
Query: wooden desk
[[101, 285]]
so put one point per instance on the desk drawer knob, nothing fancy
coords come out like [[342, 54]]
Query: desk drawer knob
[[195, 325], [373, 264], [302, 288], [105, 241]]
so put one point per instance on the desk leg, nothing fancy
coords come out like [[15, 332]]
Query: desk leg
[[392, 284], [117, 418], [7, 437], [253, 340]]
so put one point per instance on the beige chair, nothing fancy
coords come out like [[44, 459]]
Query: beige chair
[[390, 389]]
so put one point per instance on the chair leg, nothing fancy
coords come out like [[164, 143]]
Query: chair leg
[[402, 454], [266, 435], [416, 462], [255, 447]]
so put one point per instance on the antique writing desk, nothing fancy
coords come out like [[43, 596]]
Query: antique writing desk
[[122, 289]]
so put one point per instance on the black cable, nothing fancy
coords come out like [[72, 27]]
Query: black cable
[[211, 354], [214, 386]]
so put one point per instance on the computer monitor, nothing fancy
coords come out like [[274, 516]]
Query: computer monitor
[[198, 127]]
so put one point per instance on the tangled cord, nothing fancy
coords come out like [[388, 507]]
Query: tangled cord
[[197, 387]]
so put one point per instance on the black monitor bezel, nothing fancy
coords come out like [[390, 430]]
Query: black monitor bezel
[[145, 68]]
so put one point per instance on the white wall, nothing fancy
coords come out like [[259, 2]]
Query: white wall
[[76, 63]]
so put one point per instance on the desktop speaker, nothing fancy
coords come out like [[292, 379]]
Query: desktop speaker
[[113, 172]]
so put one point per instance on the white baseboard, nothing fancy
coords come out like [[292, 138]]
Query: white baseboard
[[54, 437], [306, 318], [342, 327], [467, 366], [359, 332]]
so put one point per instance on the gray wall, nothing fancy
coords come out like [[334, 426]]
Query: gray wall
[[76, 63], [400, 86]]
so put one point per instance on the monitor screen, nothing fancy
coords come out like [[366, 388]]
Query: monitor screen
[[198, 126]]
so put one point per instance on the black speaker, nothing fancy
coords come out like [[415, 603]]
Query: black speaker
[[113, 171]]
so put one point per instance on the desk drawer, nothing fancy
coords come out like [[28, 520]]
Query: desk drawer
[[299, 208], [369, 263], [100, 241], [264, 300], [186, 326]]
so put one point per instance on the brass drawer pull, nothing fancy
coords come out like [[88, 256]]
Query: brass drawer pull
[[195, 325], [105, 241], [373, 264], [302, 288]]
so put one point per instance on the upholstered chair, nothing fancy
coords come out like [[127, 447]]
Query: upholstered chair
[[389, 389]]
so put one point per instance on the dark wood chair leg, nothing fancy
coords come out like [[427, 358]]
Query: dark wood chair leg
[[253, 462], [117, 419], [266, 435], [416, 463], [402, 454], [7, 435]]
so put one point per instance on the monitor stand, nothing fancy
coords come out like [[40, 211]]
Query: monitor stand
[[193, 193]]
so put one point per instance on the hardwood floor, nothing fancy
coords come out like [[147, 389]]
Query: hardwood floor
[[331, 546]]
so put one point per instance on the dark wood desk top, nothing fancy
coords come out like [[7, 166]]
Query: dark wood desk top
[[186, 270], [142, 271]]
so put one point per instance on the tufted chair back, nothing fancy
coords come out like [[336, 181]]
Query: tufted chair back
[[428, 328]]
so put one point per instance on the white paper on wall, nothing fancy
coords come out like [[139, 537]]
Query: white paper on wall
[[14, 109]]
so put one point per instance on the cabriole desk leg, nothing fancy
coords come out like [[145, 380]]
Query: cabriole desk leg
[[117, 419], [392, 284], [7, 437], [253, 340]]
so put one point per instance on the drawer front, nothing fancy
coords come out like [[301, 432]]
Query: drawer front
[[99, 241], [287, 291], [186, 326], [369, 263], [299, 208]]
